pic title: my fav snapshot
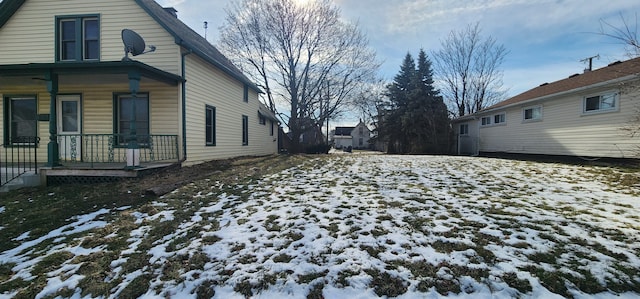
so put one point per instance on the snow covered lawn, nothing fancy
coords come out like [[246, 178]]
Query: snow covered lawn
[[357, 226]]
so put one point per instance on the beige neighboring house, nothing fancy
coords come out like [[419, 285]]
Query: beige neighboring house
[[584, 115], [356, 137], [64, 79]]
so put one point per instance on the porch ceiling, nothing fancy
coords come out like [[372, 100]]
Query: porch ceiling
[[82, 72]]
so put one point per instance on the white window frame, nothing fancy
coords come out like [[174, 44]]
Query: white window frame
[[616, 103], [533, 119], [487, 123], [502, 117], [465, 131]]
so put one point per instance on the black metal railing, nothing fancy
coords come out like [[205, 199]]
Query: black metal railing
[[18, 157], [112, 148]]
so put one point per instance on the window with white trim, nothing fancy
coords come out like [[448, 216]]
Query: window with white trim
[[499, 118], [600, 103], [532, 113], [485, 121], [464, 129]]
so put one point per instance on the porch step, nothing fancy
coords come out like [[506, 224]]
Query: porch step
[[29, 179], [57, 176]]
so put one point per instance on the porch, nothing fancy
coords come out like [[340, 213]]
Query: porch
[[86, 158]]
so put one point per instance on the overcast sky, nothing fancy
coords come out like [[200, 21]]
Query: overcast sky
[[546, 39]]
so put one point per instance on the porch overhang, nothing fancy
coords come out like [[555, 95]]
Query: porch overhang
[[37, 70]]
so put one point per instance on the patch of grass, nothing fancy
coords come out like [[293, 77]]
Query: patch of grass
[[198, 260], [343, 276], [271, 225], [372, 251], [449, 247], [307, 278], [282, 258], [205, 289], [12, 285], [94, 268], [384, 284], [552, 280], [137, 287], [522, 285], [208, 240], [52, 262], [316, 291], [6, 271]]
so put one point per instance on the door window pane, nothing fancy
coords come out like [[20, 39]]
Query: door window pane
[[69, 116]]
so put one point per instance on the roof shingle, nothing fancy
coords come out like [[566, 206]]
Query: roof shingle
[[613, 71]]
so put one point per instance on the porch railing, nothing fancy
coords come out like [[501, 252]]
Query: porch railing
[[18, 157], [112, 148]]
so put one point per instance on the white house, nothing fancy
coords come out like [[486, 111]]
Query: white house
[[356, 137], [585, 115]]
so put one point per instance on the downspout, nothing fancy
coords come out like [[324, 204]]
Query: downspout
[[184, 103]]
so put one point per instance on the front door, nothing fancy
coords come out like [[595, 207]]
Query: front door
[[69, 127]]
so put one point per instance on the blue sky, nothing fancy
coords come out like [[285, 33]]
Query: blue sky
[[546, 39]]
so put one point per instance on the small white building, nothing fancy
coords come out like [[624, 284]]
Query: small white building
[[356, 137]]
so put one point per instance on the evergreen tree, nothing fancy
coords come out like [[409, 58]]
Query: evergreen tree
[[416, 119]]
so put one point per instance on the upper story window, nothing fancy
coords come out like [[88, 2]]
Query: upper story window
[[601, 103], [532, 113], [78, 38], [245, 96]]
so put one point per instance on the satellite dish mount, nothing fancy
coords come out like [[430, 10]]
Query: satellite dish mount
[[134, 44]]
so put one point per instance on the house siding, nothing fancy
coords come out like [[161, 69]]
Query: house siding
[[565, 130], [97, 108], [207, 85], [31, 32]]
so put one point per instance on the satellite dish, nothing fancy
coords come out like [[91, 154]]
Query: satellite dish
[[134, 44]]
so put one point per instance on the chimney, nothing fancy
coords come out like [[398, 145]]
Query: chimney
[[172, 11]]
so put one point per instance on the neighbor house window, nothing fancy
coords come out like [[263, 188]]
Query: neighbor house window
[[21, 120], [485, 121], [262, 119], [210, 125], [127, 109], [245, 96], [499, 118], [464, 129], [604, 102], [245, 130], [78, 38], [271, 129], [532, 113]]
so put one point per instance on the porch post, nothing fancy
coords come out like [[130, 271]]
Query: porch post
[[133, 150], [53, 158]]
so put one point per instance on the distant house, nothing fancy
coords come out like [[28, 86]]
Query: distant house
[[586, 115], [64, 79], [356, 137]]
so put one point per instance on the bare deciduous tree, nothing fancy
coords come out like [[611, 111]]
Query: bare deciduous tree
[[301, 55], [468, 71], [626, 34]]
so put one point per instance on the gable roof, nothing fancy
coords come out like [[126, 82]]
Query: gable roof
[[183, 34], [616, 70], [343, 131]]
